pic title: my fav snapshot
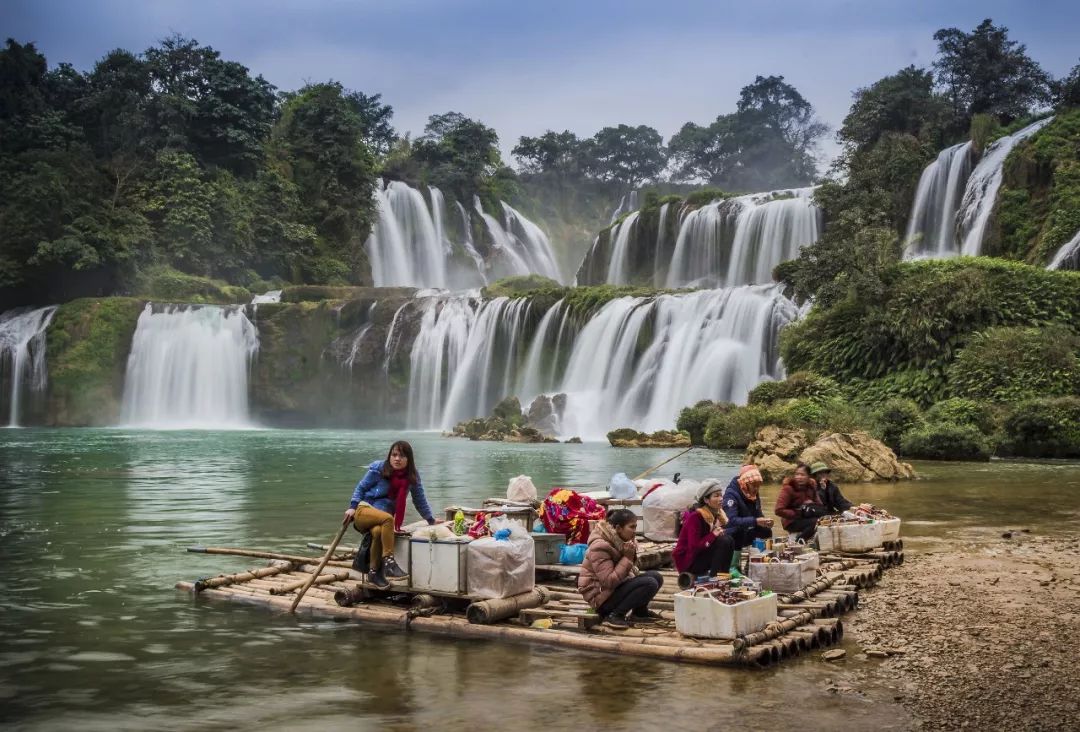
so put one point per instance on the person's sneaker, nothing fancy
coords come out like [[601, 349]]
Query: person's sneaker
[[375, 577], [391, 570], [616, 623], [650, 616]]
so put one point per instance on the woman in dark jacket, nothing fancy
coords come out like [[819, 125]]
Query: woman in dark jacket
[[828, 492], [742, 504], [798, 504], [378, 507], [704, 548], [609, 579]]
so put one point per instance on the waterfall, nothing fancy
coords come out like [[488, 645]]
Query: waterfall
[[628, 203], [405, 247], [980, 194], [739, 241], [620, 234], [635, 362], [1068, 256], [22, 354], [188, 368], [931, 230]]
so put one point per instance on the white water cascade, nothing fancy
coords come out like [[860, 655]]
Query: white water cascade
[[739, 241], [22, 354], [635, 362], [620, 235], [1068, 256], [931, 230], [982, 189], [188, 368]]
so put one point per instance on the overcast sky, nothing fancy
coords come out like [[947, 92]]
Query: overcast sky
[[525, 67]]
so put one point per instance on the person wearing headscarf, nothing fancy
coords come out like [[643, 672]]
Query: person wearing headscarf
[[828, 492], [742, 504], [704, 547]]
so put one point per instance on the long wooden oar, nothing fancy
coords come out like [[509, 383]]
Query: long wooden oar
[[325, 559], [657, 467]]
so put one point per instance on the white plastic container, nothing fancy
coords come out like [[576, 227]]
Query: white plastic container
[[849, 537], [439, 566], [700, 616], [402, 544], [890, 529], [786, 577]]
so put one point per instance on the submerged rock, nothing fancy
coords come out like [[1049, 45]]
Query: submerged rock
[[508, 424], [626, 437], [853, 457]]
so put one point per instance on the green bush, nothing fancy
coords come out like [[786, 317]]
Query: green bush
[[520, 285], [945, 441], [895, 417], [735, 429], [171, 285], [1012, 364], [964, 411], [800, 385], [509, 411], [1048, 427], [694, 420], [327, 270]]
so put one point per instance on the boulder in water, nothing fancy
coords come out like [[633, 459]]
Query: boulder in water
[[509, 410], [853, 457], [545, 413], [626, 437]]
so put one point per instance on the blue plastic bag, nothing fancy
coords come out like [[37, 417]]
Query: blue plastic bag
[[572, 553], [621, 487]]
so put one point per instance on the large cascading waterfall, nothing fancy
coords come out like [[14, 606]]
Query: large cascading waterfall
[[931, 228], [22, 355], [618, 270], [635, 362], [739, 241], [188, 368], [415, 244], [981, 191], [1068, 256]]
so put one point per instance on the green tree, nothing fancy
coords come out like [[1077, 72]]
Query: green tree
[[904, 102], [629, 155], [1067, 90], [984, 72], [557, 153], [460, 156]]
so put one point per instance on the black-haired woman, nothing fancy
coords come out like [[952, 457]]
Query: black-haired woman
[[378, 507], [609, 579]]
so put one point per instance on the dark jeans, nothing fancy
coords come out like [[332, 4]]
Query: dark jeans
[[804, 527], [715, 559], [633, 595], [745, 538]]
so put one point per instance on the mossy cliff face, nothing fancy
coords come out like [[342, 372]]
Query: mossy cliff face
[[87, 350], [324, 363]]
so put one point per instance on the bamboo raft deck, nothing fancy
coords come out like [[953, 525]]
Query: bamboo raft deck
[[807, 620]]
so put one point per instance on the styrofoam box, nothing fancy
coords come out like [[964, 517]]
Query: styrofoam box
[[849, 537], [547, 547], [401, 549], [699, 616], [890, 529], [438, 565], [786, 576]]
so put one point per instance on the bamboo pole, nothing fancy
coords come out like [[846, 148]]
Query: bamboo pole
[[778, 628], [322, 579], [654, 468], [325, 559], [258, 554], [228, 579], [486, 612]]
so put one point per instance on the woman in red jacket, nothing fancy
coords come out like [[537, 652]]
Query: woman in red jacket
[[609, 579], [798, 505], [704, 547]]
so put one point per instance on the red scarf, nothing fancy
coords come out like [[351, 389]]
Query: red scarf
[[399, 486]]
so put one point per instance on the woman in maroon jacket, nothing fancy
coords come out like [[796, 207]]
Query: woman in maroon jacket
[[798, 504], [609, 579], [704, 547]]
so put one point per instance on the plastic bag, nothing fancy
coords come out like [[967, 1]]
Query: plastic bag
[[502, 567], [438, 532], [621, 486], [662, 507], [521, 489], [572, 553]]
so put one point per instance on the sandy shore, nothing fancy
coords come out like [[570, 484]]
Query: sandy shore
[[983, 636]]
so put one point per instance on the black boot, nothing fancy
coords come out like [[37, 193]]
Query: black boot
[[363, 552], [375, 578], [391, 570]]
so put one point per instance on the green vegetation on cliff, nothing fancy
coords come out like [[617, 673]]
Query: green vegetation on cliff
[[88, 345]]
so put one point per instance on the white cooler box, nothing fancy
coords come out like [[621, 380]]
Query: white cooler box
[[439, 566], [786, 577], [700, 616], [890, 529], [849, 537]]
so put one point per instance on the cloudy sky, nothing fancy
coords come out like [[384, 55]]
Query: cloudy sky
[[524, 67]]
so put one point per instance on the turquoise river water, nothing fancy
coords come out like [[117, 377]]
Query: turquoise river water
[[94, 523]]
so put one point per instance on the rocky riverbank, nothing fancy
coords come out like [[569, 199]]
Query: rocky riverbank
[[979, 636]]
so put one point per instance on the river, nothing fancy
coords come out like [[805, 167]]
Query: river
[[94, 523]]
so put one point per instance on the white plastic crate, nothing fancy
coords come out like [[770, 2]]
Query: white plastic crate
[[890, 529], [786, 577], [849, 537], [700, 616], [439, 566]]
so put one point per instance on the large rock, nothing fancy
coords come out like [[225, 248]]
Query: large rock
[[852, 457], [545, 413], [626, 437]]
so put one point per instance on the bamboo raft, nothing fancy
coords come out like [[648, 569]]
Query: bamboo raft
[[807, 620]]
